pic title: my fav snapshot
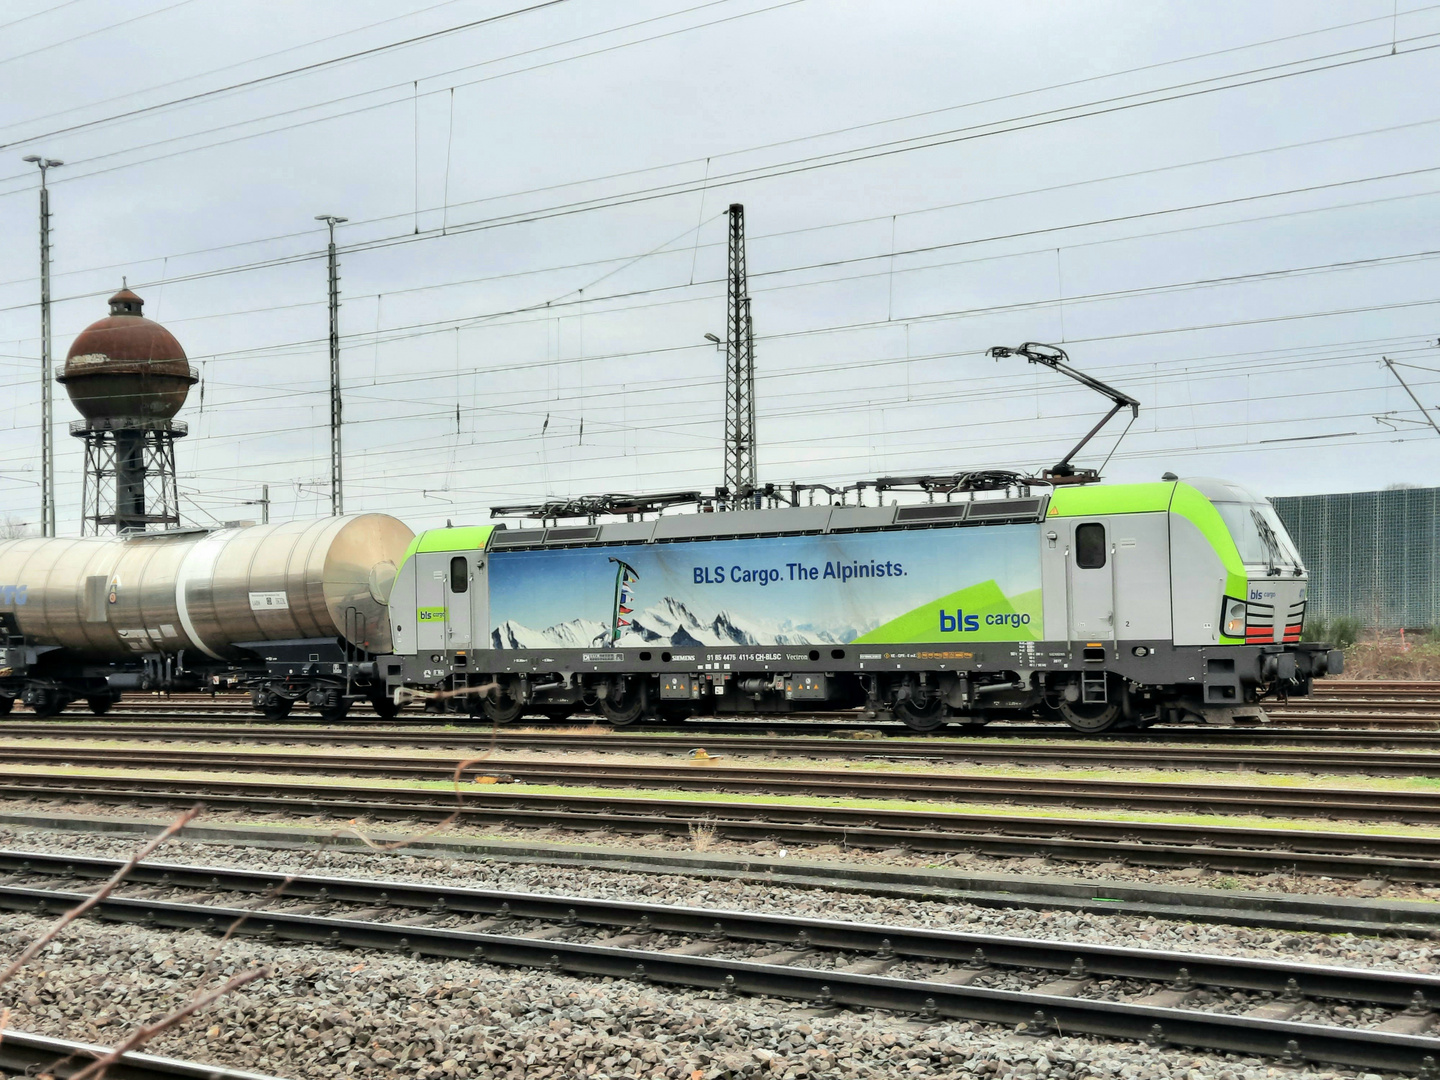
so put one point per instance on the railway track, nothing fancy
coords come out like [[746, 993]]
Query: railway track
[[1410, 807], [1218, 1003], [1342, 753], [1401, 715], [26, 1054], [415, 731], [1081, 839]]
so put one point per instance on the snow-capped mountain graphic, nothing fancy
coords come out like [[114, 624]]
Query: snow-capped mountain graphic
[[670, 622], [575, 634]]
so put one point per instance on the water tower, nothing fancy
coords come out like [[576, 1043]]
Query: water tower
[[128, 377]]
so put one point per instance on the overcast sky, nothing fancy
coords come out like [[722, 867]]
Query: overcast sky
[[1225, 209]]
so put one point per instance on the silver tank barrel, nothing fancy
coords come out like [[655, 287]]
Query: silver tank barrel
[[206, 592]]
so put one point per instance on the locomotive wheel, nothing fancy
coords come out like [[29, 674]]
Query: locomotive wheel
[[6, 704], [625, 710], [928, 717], [502, 710], [99, 705], [275, 707], [1090, 718]]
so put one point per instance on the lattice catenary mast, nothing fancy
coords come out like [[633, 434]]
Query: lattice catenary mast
[[337, 478], [739, 371]]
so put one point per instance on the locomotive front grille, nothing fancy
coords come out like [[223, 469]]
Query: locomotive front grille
[[1294, 622], [1259, 623]]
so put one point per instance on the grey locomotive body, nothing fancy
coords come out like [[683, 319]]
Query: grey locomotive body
[[1103, 605]]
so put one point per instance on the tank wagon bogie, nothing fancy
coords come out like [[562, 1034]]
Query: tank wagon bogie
[[291, 612], [1101, 605]]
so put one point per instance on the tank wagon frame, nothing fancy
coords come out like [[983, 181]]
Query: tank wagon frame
[[292, 612], [1104, 605]]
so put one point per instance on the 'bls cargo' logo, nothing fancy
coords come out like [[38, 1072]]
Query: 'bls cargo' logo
[[951, 624]]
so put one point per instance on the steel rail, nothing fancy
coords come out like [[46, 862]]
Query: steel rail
[[1041, 1010], [23, 1053], [1401, 717], [1103, 753], [1225, 847], [1375, 986], [1392, 806], [435, 732]]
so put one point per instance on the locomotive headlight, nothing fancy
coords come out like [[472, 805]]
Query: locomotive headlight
[[1233, 622]]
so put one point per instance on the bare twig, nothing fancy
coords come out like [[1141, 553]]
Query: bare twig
[[104, 891]]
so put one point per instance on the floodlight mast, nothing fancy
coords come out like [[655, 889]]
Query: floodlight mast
[[1055, 358]]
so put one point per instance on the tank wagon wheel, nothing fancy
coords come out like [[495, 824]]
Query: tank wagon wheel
[[625, 708], [333, 708], [928, 717], [6, 704], [272, 706], [384, 706], [46, 702], [1090, 718], [99, 705]]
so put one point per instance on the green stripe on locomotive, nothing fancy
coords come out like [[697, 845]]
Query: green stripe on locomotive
[[1175, 497]]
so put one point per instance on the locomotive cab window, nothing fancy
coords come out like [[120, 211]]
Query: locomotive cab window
[[459, 574], [1090, 546]]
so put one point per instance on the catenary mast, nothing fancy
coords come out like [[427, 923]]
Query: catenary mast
[[337, 478], [739, 372]]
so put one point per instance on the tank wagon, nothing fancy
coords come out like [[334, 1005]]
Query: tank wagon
[[294, 612], [1103, 605]]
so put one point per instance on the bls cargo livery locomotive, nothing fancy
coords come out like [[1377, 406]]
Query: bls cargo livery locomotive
[[1106, 605]]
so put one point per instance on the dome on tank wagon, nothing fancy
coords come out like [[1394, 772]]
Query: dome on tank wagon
[[127, 368]]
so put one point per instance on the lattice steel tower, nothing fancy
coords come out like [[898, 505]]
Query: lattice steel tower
[[128, 376], [337, 454], [739, 371]]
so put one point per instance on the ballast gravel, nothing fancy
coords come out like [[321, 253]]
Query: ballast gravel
[[1399, 954], [325, 1013], [660, 843]]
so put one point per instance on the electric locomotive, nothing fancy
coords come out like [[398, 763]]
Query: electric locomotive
[[1103, 605]]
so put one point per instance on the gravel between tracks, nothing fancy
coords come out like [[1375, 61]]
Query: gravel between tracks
[[658, 843], [327, 1013], [1400, 954]]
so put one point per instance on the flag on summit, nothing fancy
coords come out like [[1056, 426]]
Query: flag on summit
[[625, 576]]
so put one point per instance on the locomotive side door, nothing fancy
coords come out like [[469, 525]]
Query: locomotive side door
[[458, 576], [1090, 582], [431, 572]]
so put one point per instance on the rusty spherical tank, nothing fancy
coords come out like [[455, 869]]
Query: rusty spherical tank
[[127, 367]]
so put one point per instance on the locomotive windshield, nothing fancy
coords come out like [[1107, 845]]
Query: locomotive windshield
[[1259, 534]]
